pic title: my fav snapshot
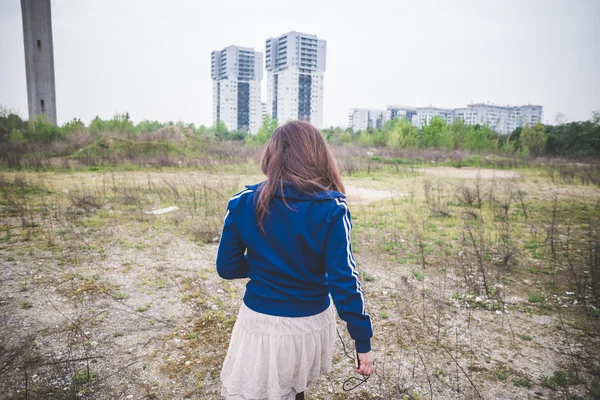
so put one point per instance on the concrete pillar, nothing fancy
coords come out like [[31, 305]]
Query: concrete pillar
[[39, 58]]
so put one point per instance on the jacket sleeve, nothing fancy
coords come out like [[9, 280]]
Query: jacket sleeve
[[231, 261], [342, 278]]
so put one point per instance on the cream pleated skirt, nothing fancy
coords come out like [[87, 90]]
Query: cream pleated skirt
[[274, 358]]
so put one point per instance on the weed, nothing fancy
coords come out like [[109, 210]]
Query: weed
[[499, 375], [25, 304], [535, 298], [593, 312], [191, 335], [82, 377], [522, 382], [560, 379], [527, 338], [531, 244], [120, 295], [418, 275], [143, 308], [368, 278], [117, 334]]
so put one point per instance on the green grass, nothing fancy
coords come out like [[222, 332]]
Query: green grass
[[593, 312], [26, 304], [522, 382], [82, 377], [418, 275], [191, 335], [535, 298], [368, 278], [143, 308], [561, 379], [120, 296], [499, 375]]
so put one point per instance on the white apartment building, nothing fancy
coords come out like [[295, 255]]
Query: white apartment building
[[295, 64], [528, 114], [393, 112], [501, 119], [426, 114], [263, 107], [237, 73], [361, 119]]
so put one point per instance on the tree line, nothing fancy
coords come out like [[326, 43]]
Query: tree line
[[573, 139]]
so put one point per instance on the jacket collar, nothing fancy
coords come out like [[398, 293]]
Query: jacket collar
[[291, 191]]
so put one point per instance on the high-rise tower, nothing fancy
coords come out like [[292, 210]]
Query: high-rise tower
[[237, 73], [295, 64]]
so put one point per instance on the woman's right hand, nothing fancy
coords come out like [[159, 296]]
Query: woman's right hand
[[366, 363]]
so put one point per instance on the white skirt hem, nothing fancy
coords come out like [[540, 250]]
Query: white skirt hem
[[274, 358]]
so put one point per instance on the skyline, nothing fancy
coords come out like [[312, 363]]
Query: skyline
[[152, 59]]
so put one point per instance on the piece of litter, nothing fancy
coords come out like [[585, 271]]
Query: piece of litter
[[162, 210]]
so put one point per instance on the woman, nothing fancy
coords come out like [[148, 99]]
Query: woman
[[291, 236]]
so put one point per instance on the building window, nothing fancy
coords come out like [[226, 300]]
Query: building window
[[43, 105], [39, 44]]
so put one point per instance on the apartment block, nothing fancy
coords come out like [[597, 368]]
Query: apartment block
[[393, 112], [237, 74], [295, 64], [424, 115], [502, 119], [361, 119]]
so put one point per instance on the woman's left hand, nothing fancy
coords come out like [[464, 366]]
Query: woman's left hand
[[367, 360]]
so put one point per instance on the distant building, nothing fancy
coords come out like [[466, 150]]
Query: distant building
[[263, 106], [396, 112], [361, 119], [295, 64], [237, 74], [501, 119], [528, 115], [426, 114]]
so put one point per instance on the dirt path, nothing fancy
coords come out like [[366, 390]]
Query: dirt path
[[362, 195], [469, 172]]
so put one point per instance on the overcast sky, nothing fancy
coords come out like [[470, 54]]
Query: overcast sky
[[152, 57]]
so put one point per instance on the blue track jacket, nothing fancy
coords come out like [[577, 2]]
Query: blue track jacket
[[304, 254]]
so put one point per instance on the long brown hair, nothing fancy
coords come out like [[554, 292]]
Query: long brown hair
[[296, 153]]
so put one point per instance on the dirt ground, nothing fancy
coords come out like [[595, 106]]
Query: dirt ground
[[125, 306], [469, 173], [357, 194]]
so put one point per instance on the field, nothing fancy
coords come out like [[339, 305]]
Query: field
[[481, 283]]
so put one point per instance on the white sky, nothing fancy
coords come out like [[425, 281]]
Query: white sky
[[152, 57]]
